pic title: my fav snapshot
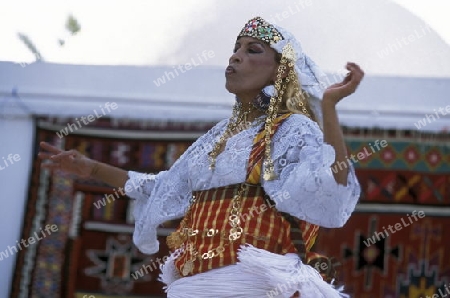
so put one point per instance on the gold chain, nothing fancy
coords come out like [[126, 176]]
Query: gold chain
[[275, 102], [297, 94], [269, 173], [238, 116]]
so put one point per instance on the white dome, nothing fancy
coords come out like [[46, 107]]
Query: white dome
[[381, 36]]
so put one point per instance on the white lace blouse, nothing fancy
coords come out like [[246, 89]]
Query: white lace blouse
[[305, 187]]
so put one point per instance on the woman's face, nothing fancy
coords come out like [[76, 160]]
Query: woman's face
[[251, 67]]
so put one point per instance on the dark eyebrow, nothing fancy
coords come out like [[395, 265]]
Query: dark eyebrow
[[256, 42]]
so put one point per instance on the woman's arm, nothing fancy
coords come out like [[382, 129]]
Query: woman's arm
[[113, 176], [332, 134], [331, 129], [76, 163]]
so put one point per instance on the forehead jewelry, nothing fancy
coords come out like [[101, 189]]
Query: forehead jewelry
[[260, 29]]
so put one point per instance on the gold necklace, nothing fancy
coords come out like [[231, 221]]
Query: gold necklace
[[238, 117]]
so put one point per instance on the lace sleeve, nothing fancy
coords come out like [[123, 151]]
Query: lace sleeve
[[305, 187], [162, 197]]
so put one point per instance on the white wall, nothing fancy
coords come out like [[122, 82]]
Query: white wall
[[16, 137]]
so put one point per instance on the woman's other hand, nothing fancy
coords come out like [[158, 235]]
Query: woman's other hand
[[69, 161]]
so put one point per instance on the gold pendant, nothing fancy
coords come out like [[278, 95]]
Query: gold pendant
[[187, 268], [269, 176]]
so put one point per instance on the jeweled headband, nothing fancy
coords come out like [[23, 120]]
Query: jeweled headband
[[262, 30]]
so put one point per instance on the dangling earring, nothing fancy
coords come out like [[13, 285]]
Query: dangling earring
[[262, 100]]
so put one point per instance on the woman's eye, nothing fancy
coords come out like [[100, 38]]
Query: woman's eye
[[250, 50], [253, 51]]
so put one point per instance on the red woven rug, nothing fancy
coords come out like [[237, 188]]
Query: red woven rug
[[92, 252], [387, 249]]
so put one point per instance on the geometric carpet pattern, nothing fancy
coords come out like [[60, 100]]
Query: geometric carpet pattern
[[411, 262]]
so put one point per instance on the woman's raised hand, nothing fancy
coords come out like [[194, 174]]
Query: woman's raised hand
[[70, 161], [334, 93]]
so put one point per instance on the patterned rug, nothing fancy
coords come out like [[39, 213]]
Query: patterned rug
[[92, 252], [396, 244]]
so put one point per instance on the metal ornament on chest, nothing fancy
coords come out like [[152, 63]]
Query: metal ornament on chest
[[239, 118]]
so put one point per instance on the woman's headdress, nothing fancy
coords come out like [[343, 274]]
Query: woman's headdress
[[302, 70], [284, 43]]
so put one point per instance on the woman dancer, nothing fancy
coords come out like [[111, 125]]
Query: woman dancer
[[253, 190]]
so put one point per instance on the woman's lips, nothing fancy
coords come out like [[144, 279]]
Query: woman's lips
[[229, 70]]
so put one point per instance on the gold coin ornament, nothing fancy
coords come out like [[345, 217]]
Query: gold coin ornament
[[187, 268]]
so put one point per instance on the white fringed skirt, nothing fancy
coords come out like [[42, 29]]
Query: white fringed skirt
[[258, 273]]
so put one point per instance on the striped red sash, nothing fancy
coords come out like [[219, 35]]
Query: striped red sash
[[257, 155]]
